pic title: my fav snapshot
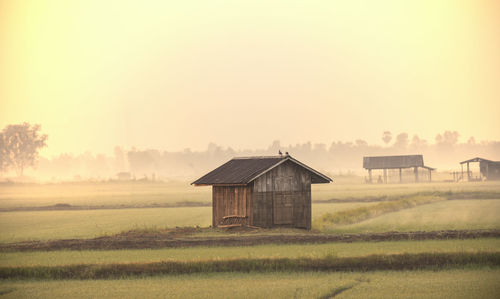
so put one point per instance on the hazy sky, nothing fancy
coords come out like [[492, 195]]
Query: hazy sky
[[177, 74]]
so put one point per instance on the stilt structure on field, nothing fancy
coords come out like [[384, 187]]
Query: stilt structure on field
[[386, 163], [488, 170]]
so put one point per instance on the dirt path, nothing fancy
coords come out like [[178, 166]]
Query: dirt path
[[180, 204], [187, 238]]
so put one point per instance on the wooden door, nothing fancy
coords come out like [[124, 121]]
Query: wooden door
[[283, 208]]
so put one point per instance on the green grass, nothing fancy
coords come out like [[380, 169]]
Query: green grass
[[234, 285], [417, 261], [97, 194], [141, 194], [58, 258], [445, 215], [355, 215], [363, 191], [477, 283], [45, 225], [423, 284], [320, 209]]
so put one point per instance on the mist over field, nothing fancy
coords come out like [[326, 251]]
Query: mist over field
[[337, 158], [189, 85], [109, 110]]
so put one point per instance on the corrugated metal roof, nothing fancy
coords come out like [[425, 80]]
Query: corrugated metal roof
[[243, 170], [387, 162], [477, 159]]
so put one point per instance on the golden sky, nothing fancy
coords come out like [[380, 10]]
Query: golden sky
[[177, 74]]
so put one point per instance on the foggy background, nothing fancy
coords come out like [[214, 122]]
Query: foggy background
[[182, 86], [170, 75], [336, 158]]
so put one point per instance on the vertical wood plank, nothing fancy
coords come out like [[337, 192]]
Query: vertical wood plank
[[214, 205]]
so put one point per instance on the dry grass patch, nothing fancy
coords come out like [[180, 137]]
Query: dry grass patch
[[364, 213]]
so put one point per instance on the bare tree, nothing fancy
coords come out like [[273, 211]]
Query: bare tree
[[3, 154], [20, 144], [386, 137], [402, 141]]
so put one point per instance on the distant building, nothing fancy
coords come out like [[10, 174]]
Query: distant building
[[488, 170], [123, 176], [396, 162], [262, 191]]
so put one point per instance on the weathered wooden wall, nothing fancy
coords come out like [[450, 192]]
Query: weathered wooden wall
[[490, 170], [282, 197], [231, 200]]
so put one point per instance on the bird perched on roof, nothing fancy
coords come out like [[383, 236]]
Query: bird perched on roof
[[287, 154], [279, 152]]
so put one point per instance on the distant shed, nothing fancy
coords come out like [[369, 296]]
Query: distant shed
[[395, 162], [488, 170], [262, 191]]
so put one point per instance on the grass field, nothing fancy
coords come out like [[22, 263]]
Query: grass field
[[360, 191], [45, 225], [467, 283], [141, 194], [98, 194], [451, 214], [58, 258], [463, 279], [355, 215], [384, 262]]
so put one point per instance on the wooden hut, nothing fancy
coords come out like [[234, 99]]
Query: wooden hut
[[488, 170], [262, 191], [396, 162]]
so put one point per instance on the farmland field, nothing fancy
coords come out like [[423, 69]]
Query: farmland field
[[466, 265], [67, 257], [138, 194], [98, 194], [360, 191], [45, 225], [451, 214], [467, 283]]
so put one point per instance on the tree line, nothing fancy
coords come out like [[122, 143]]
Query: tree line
[[339, 157]]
